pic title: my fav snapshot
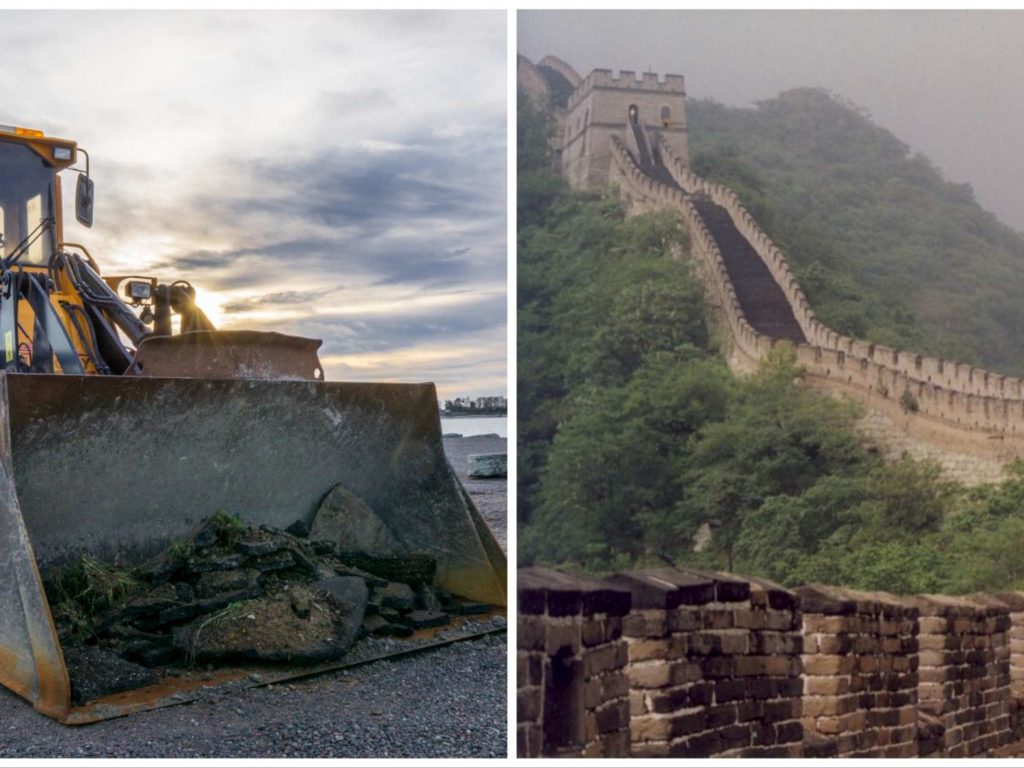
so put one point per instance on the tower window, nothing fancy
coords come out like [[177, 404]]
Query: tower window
[[634, 114], [666, 113]]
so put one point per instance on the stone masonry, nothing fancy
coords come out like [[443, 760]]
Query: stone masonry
[[573, 692], [965, 672], [714, 666], [684, 663], [860, 673]]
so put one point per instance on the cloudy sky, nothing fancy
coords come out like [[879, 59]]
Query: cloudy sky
[[947, 83], [340, 175]]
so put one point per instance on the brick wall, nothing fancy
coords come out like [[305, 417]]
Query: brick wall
[[714, 665], [683, 663], [965, 672], [573, 692], [860, 673]]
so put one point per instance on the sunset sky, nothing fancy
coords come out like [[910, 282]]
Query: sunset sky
[[340, 175]]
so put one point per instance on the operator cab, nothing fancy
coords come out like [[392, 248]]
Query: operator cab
[[30, 190]]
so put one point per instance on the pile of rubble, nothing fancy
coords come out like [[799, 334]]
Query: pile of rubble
[[229, 592]]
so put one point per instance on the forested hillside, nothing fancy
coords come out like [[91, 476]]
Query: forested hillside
[[883, 247], [633, 435]]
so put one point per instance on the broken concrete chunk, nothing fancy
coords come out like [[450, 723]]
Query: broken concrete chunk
[[215, 562], [346, 521], [348, 592], [399, 597], [257, 548], [425, 619], [467, 608], [413, 569], [276, 561], [346, 570], [216, 582], [323, 572], [389, 614], [238, 593]]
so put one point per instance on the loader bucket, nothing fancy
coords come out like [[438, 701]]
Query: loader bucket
[[121, 467]]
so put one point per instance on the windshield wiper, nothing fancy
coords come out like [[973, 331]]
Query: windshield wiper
[[21, 248]]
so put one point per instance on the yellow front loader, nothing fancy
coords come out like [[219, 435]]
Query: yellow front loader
[[118, 434]]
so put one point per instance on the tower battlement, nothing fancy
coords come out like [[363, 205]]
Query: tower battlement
[[628, 80]]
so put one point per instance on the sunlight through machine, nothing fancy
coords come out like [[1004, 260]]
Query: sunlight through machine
[[117, 434]]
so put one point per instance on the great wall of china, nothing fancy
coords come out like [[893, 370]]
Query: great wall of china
[[632, 133], [683, 663]]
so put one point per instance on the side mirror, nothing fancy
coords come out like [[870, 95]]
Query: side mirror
[[83, 200]]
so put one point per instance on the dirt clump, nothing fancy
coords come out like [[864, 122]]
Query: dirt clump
[[230, 592]]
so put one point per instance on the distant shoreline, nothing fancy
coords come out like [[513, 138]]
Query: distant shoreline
[[473, 415]]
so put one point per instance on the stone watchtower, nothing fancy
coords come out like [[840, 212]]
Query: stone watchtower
[[603, 106]]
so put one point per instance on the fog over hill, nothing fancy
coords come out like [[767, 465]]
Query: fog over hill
[[943, 81]]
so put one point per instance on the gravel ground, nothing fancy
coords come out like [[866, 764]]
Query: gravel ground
[[449, 702]]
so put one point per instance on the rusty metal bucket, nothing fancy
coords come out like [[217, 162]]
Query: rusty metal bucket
[[120, 467]]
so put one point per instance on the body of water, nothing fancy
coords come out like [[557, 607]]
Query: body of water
[[467, 426]]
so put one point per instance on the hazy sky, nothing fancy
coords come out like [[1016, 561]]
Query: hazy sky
[[950, 84], [331, 174]]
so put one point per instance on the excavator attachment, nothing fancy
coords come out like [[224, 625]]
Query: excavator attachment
[[121, 467]]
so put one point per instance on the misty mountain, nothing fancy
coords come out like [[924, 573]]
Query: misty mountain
[[884, 248]]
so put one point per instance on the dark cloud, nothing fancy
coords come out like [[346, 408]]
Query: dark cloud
[[346, 335], [426, 262], [430, 214], [377, 191]]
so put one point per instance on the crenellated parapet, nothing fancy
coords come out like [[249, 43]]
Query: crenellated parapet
[[721, 665], [627, 80]]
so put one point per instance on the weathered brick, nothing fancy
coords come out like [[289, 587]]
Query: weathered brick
[[830, 685], [652, 674], [612, 716], [662, 648], [602, 659], [592, 631], [528, 705], [531, 633], [828, 665], [563, 634], [645, 623]]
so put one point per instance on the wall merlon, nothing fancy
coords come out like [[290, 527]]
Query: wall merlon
[[718, 665]]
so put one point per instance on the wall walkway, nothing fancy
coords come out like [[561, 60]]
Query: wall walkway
[[969, 420]]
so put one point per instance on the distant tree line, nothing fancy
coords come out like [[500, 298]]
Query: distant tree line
[[479, 406]]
